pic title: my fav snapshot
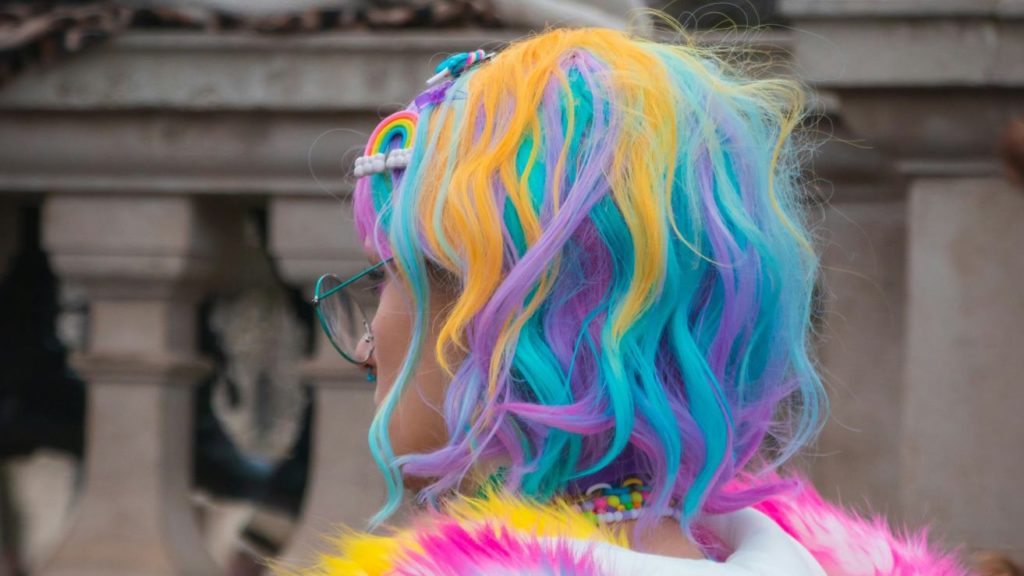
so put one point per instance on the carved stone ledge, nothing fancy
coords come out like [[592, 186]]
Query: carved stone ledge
[[227, 114], [902, 8], [931, 84], [216, 72], [952, 131], [138, 369]]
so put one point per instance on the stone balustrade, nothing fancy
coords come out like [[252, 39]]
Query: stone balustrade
[[145, 153], [143, 261]]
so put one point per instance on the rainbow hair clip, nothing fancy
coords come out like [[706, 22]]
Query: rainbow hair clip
[[456, 64], [382, 153]]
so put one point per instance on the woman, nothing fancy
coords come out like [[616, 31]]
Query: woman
[[594, 300]]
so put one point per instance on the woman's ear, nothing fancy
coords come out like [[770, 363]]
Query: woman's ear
[[443, 280]]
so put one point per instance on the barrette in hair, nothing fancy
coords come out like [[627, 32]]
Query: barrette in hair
[[380, 154], [456, 64]]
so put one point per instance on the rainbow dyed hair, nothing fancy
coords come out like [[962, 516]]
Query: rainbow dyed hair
[[620, 220]]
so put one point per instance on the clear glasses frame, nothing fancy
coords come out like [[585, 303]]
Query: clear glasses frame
[[342, 317]]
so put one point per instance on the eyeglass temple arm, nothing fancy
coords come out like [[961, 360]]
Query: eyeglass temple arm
[[318, 297]]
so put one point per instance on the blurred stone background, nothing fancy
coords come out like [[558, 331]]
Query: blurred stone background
[[174, 176]]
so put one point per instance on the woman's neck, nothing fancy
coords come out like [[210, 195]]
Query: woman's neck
[[664, 538]]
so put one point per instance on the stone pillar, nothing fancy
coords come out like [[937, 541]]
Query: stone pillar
[[861, 234], [142, 261], [309, 237], [863, 273], [963, 450]]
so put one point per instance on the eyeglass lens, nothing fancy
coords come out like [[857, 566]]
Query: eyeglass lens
[[345, 321]]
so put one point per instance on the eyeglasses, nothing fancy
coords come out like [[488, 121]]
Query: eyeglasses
[[342, 317]]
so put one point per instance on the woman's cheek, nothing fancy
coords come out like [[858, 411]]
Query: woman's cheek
[[391, 329]]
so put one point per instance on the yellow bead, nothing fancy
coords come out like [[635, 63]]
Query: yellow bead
[[613, 501], [637, 497]]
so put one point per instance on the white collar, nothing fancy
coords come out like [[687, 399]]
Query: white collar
[[760, 548]]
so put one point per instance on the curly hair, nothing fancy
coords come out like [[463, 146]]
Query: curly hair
[[621, 220]]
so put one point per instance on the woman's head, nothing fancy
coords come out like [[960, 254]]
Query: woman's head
[[599, 269]]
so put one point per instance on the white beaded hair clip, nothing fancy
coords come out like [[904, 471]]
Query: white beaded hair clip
[[378, 163]]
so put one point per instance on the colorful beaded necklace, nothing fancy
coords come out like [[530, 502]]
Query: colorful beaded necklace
[[601, 503], [605, 504]]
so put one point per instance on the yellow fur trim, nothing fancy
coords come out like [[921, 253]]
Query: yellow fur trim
[[361, 554]]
